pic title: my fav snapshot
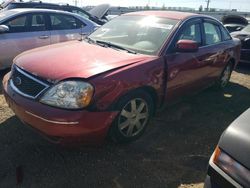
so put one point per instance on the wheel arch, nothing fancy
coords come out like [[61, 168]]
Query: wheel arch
[[233, 61], [150, 93], [148, 89]]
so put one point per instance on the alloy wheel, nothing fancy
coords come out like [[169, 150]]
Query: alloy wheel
[[226, 76], [133, 117]]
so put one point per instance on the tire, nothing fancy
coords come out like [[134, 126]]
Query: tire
[[225, 76], [136, 110]]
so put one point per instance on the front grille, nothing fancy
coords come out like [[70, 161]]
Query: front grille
[[245, 55], [26, 84], [245, 44]]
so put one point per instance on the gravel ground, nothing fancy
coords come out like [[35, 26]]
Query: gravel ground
[[174, 151]]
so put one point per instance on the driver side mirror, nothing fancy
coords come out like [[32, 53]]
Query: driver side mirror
[[4, 28], [187, 46]]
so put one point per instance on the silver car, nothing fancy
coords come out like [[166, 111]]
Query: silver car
[[24, 29]]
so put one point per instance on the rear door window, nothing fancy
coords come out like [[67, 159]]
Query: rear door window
[[81, 13], [212, 33], [38, 22], [225, 34], [64, 22]]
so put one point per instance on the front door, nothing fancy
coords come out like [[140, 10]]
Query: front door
[[187, 71], [25, 32]]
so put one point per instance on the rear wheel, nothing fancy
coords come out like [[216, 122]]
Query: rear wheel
[[225, 76], [136, 109]]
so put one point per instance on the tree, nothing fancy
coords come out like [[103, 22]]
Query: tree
[[147, 7], [163, 7], [200, 8]]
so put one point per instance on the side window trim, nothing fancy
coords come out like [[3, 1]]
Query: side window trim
[[65, 15], [188, 23], [86, 15], [223, 35], [28, 21], [48, 18], [207, 20], [30, 15], [82, 24], [15, 17]]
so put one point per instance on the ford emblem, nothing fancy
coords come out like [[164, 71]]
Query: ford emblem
[[18, 81]]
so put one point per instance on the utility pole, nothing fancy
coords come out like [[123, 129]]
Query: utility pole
[[207, 1], [76, 2]]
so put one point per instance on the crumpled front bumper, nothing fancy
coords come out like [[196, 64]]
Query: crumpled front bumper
[[58, 124]]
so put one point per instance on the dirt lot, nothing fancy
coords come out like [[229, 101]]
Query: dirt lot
[[174, 152]]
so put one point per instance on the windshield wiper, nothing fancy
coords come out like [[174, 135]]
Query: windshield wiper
[[91, 41], [109, 44]]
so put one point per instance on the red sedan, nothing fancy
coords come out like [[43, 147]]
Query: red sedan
[[112, 82]]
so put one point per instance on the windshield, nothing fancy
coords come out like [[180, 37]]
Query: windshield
[[142, 34], [247, 28], [6, 13]]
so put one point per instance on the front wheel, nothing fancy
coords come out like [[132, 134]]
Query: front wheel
[[136, 109]]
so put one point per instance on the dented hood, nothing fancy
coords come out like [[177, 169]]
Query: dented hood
[[74, 59]]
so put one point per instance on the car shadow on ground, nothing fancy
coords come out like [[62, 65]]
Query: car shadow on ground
[[174, 150]]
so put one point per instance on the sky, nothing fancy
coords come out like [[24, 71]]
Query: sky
[[241, 5]]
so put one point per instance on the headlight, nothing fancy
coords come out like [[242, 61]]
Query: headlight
[[69, 95], [234, 169]]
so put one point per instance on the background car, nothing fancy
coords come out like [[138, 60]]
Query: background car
[[3, 4], [232, 27], [101, 12], [229, 165], [24, 29], [111, 83], [234, 22], [244, 36], [93, 15]]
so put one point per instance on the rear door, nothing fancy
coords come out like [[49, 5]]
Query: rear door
[[65, 27], [25, 32], [217, 49]]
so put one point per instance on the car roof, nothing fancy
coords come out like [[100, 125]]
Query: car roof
[[5, 15], [166, 14], [8, 13], [12, 12], [27, 10], [50, 6], [41, 3]]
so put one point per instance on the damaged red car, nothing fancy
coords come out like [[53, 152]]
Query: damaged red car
[[112, 82]]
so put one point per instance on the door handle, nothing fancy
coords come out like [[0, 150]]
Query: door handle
[[43, 37]]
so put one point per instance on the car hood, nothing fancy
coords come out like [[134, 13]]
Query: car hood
[[240, 33], [74, 59], [236, 139], [100, 10], [6, 3], [234, 19]]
